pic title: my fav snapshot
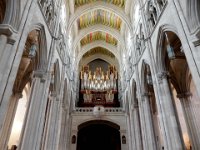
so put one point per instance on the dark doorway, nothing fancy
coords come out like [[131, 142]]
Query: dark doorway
[[98, 136]]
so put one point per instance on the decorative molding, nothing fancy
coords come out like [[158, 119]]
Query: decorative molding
[[183, 95], [7, 29], [162, 75], [145, 94], [40, 74], [196, 43]]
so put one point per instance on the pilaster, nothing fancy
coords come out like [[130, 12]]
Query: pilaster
[[10, 115], [149, 129], [35, 118], [173, 138], [191, 119]]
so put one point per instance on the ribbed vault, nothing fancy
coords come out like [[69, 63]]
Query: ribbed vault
[[98, 24]]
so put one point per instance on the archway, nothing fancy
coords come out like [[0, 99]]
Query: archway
[[20, 99], [182, 89], [98, 135]]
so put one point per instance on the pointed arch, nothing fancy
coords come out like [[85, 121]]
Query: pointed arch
[[101, 28], [159, 46], [105, 58], [92, 45], [42, 51]]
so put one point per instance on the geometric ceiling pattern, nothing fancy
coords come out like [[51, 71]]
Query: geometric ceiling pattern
[[99, 17], [119, 3], [98, 36], [99, 50]]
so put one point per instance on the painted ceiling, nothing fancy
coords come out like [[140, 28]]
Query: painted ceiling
[[98, 36], [99, 17], [119, 3], [98, 50]]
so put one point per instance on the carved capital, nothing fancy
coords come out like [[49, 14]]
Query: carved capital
[[184, 95], [40, 74], [145, 94], [196, 43], [162, 75], [135, 106], [53, 95], [7, 29], [18, 95]]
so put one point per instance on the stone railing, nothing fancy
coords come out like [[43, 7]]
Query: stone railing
[[90, 109], [83, 110]]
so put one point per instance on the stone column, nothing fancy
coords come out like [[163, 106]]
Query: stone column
[[137, 128], [52, 137], [35, 118], [191, 120], [64, 129], [6, 56], [131, 134], [149, 128], [132, 129], [172, 133], [7, 127], [142, 121]]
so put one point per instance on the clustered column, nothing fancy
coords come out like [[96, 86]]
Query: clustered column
[[32, 135], [190, 118], [172, 133]]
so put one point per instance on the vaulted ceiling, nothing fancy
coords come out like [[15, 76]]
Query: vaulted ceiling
[[119, 3], [98, 27]]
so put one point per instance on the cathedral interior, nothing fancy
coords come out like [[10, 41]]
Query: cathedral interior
[[99, 75]]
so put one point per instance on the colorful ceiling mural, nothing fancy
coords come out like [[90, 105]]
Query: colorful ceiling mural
[[96, 36], [98, 50], [119, 3], [100, 17]]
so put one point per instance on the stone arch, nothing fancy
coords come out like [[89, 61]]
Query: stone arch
[[106, 122], [32, 61], [93, 119], [95, 28], [96, 131], [175, 66], [42, 51], [160, 37], [92, 45], [100, 5], [105, 58], [160, 57], [30, 64]]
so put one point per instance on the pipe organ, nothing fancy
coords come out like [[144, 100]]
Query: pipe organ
[[98, 87]]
